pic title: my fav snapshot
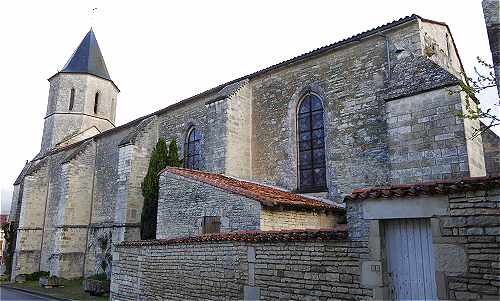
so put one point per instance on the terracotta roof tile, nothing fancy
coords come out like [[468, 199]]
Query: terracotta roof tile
[[427, 188], [251, 236], [266, 195]]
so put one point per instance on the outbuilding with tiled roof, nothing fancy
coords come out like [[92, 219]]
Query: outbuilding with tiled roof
[[193, 202]]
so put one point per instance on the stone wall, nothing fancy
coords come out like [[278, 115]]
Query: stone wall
[[473, 229], [106, 193], [426, 139], [346, 80], [316, 266], [74, 212], [491, 10], [31, 220], [465, 228], [292, 219], [239, 134], [177, 121], [491, 145], [438, 46]]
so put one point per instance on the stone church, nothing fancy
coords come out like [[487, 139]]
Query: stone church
[[370, 110]]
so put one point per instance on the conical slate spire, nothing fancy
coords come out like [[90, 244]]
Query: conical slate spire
[[87, 58]]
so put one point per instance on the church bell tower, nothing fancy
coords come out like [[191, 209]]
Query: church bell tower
[[82, 98]]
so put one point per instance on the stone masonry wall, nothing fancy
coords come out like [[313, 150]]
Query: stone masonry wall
[[239, 134], [285, 270], [71, 227], [353, 117], [183, 203], [491, 10], [55, 186], [177, 122], [291, 219], [105, 196], [473, 225], [437, 45], [426, 139], [491, 145], [31, 221]]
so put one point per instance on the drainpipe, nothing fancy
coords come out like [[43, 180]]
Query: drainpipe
[[387, 53]]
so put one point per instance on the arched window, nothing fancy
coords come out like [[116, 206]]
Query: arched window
[[192, 159], [72, 99], [96, 102], [311, 148]]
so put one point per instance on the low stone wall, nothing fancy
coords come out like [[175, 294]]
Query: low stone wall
[[246, 265]]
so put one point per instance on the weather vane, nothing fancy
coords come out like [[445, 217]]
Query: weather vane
[[92, 16]]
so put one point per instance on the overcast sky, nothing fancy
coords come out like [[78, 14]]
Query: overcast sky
[[159, 52]]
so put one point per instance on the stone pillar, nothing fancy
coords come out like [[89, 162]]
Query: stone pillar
[[133, 160]]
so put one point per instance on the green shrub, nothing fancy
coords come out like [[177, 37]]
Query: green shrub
[[36, 275], [9, 230], [100, 276]]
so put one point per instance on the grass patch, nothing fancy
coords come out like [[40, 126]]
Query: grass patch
[[72, 289]]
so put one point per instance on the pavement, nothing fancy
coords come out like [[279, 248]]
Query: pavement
[[14, 294]]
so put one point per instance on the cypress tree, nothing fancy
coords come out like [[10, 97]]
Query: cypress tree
[[150, 187], [173, 154]]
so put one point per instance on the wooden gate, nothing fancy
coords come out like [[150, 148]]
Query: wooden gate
[[410, 259]]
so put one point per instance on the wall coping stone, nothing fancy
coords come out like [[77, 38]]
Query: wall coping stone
[[249, 236]]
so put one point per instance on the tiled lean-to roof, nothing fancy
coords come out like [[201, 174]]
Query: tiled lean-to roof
[[268, 196], [427, 188], [250, 236]]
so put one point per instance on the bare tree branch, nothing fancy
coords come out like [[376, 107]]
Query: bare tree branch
[[473, 86]]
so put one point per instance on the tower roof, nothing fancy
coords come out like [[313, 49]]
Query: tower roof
[[87, 58]]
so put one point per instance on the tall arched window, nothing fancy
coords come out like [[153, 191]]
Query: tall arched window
[[72, 99], [192, 158], [311, 149], [96, 102]]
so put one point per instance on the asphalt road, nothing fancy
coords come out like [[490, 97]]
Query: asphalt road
[[10, 294]]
